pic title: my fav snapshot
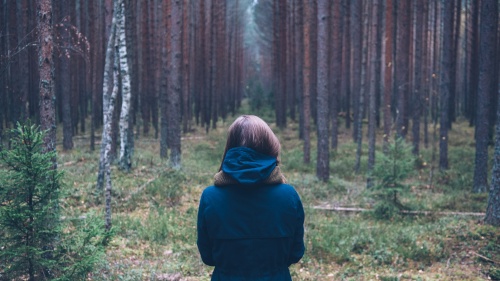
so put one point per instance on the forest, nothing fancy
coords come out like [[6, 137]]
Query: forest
[[387, 111]]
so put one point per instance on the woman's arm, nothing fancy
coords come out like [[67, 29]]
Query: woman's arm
[[298, 247], [203, 242]]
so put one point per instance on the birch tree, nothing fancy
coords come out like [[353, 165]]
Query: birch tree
[[125, 136], [107, 105]]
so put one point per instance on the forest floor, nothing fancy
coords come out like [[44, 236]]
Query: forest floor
[[155, 208]]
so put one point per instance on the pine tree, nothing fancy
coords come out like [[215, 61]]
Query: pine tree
[[35, 243], [29, 205]]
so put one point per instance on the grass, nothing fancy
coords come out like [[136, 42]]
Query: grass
[[155, 208]]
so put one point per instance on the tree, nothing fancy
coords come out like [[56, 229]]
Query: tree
[[28, 213], [306, 111], [336, 69], [485, 91], [46, 70], [357, 54], [445, 82], [388, 72], [108, 102], [36, 244], [323, 158], [65, 74], [125, 135], [372, 110], [493, 208], [401, 71], [174, 83]]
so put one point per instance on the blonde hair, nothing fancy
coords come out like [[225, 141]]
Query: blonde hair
[[252, 132]]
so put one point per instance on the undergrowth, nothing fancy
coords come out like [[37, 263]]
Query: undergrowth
[[155, 208]]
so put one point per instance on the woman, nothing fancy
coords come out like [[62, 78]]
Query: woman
[[250, 222]]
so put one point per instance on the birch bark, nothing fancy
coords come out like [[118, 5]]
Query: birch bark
[[106, 101], [125, 147]]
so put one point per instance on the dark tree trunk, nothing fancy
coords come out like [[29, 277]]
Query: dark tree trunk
[[486, 90], [164, 85], [174, 83], [65, 76], [417, 85], [299, 65], [491, 20], [306, 103], [372, 110], [445, 82], [323, 156], [357, 42], [401, 71], [346, 64], [336, 69], [46, 70]]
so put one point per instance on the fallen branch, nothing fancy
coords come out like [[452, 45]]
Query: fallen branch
[[427, 213], [485, 258]]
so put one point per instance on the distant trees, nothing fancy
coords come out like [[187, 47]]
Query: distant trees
[[395, 59], [422, 58]]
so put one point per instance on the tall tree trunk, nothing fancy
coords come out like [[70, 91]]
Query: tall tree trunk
[[372, 110], [323, 156], [46, 70], [125, 142], [346, 63], [360, 104], [65, 76], [417, 68], [486, 90], [357, 54], [108, 107], [489, 16], [174, 83], [299, 62], [401, 73], [164, 84], [107, 130], [445, 81], [22, 34], [307, 80], [336, 69]]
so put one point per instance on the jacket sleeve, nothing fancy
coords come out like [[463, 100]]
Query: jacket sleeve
[[298, 247], [203, 241]]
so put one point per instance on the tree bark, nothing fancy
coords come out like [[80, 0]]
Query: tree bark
[[307, 80], [485, 91], [65, 76], [164, 84], [372, 110], [108, 107], [490, 20], [323, 151], [174, 84], [401, 71], [336, 69], [125, 142], [46, 70], [445, 83]]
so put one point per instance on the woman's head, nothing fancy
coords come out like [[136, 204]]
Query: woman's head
[[252, 132]]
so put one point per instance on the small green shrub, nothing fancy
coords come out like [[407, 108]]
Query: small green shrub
[[36, 243], [390, 172]]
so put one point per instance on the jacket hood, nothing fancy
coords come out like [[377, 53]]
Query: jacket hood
[[248, 166]]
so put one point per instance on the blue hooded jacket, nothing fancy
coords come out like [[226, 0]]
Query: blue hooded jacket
[[250, 229]]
